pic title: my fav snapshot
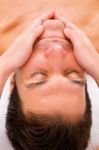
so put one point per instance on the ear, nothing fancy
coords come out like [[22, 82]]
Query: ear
[[11, 82]]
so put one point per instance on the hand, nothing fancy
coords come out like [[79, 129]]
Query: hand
[[84, 51], [17, 55]]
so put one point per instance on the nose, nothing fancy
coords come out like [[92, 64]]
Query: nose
[[56, 56], [58, 84], [53, 28], [56, 51]]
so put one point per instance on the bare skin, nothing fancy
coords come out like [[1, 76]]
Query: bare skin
[[71, 31], [81, 54], [16, 15], [22, 52]]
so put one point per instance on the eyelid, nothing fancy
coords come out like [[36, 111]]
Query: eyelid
[[31, 85], [38, 72], [67, 72], [78, 82], [72, 71]]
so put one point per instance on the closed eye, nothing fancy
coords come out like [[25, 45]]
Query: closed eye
[[38, 73], [78, 82], [37, 78], [75, 77], [36, 84], [71, 71]]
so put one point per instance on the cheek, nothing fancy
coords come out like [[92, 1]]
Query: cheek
[[33, 59], [71, 61]]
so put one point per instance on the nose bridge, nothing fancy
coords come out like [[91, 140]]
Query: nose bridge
[[58, 83]]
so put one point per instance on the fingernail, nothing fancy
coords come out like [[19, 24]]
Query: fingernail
[[39, 26]]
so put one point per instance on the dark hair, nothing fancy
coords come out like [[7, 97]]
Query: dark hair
[[42, 132]]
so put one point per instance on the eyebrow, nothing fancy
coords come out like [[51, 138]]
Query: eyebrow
[[43, 72]]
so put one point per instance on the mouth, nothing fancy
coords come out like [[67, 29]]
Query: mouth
[[44, 43], [57, 40]]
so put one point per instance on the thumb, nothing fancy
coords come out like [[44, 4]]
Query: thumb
[[37, 31], [32, 34], [69, 34], [73, 37]]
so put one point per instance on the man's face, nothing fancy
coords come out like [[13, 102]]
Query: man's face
[[52, 82]]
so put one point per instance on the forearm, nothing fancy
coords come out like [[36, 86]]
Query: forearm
[[95, 70], [4, 74]]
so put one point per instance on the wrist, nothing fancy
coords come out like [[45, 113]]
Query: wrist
[[4, 73], [5, 67], [95, 70]]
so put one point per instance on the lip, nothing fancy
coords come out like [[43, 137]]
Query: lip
[[66, 44], [56, 39]]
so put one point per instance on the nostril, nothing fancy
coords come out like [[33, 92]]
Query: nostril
[[56, 52], [53, 28]]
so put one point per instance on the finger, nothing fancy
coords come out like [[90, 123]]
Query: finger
[[67, 22], [78, 38], [34, 30], [32, 35], [37, 32], [28, 37], [42, 18], [49, 15], [73, 36]]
